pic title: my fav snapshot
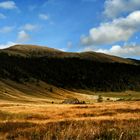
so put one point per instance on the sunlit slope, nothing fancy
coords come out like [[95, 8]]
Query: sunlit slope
[[35, 92], [39, 51]]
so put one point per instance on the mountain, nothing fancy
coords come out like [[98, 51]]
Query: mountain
[[30, 50], [39, 51], [86, 70]]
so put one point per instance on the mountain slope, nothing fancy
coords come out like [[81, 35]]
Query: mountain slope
[[88, 70], [38, 51], [34, 92], [30, 50]]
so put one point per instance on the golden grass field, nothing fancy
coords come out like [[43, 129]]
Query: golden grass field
[[41, 121], [27, 113]]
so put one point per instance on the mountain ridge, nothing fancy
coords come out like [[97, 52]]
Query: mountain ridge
[[86, 70], [39, 51]]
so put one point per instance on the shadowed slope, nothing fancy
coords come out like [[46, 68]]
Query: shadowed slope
[[87, 70]]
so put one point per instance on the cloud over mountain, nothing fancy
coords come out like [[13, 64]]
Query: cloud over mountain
[[6, 45], [23, 36], [120, 29], [126, 51]]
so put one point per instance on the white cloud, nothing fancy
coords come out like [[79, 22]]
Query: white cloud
[[125, 51], [43, 16], [8, 5], [8, 44], [88, 49], [120, 29], [69, 45], [23, 36], [6, 29], [29, 27], [2, 16], [114, 8]]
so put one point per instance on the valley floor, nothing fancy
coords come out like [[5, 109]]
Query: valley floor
[[41, 121], [34, 111]]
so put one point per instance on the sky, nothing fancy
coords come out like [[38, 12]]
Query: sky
[[107, 26]]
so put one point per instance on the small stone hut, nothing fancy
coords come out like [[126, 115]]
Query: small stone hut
[[71, 101]]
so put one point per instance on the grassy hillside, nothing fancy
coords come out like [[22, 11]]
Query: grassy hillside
[[89, 70], [36, 93]]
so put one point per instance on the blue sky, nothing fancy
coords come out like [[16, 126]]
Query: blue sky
[[108, 26]]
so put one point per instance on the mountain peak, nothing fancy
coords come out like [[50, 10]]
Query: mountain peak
[[27, 50], [30, 48], [40, 51]]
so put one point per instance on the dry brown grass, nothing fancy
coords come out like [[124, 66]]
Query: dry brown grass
[[112, 120]]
